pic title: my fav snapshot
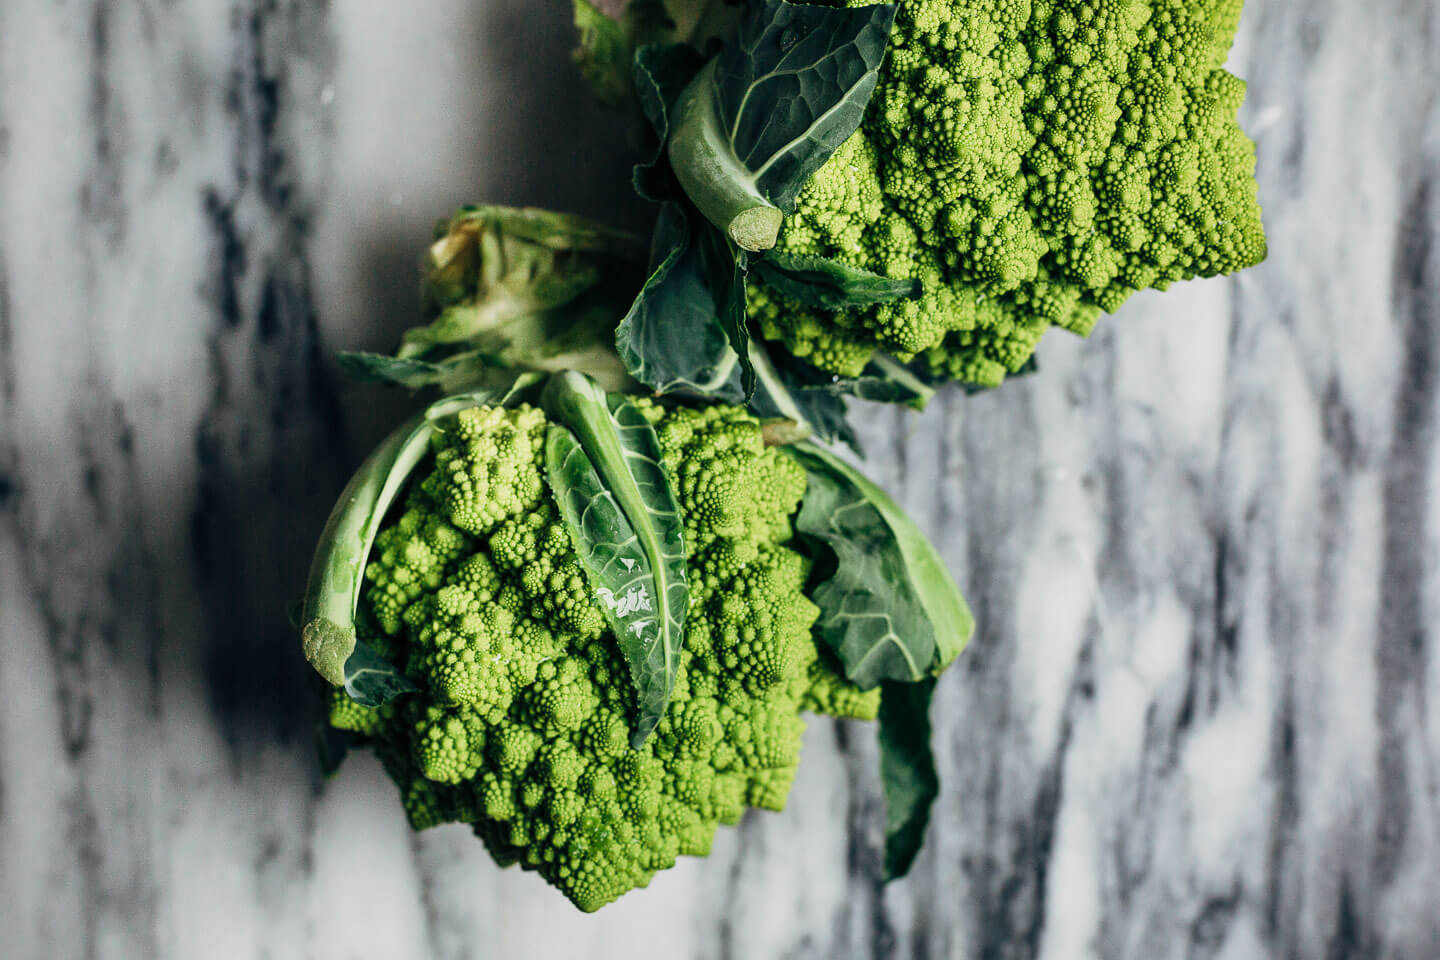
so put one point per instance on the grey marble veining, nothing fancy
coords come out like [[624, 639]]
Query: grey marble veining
[[1201, 718]]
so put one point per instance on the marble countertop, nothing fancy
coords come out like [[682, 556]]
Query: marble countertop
[[1201, 718]]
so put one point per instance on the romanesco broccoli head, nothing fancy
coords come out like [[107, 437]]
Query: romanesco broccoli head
[[522, 727], [1032, 163]]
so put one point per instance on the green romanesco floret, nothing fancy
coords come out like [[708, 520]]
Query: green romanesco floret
[[1033, 163], [523, 725], [830, 341], [534, 549], [830, 693], [488, 467], [411, 558], [346, 714]]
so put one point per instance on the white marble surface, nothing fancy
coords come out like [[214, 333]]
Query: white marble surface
[[1201, 718]]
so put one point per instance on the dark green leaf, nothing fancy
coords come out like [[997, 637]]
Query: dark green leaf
[[907, 770], [829, 284], [380, 368], [726, 267], [890, 611], [780, 394], [661, 72], [884, 380], [603, 466], [795, 85], [671, 340]]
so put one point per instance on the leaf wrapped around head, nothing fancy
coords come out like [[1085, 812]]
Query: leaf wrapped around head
[[673, 341], [890, 610]]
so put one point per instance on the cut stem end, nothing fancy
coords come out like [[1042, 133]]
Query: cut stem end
[[757, 228]]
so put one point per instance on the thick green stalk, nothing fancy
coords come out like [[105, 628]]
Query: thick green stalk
[[702, 155], [338, 570]]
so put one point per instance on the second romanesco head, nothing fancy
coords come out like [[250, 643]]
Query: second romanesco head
[[1033, 163], [522, 727]]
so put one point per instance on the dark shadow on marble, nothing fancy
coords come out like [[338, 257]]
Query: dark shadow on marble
[[269, 469]]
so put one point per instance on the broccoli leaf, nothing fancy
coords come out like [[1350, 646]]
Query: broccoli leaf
[[371, 679], [510, 289], [884, 380], [780, 394], [492, 265], [890, 610], [795, 86], [674, 342], [671, 339], [727, 266], [830, 284], [451, 370], [603, 465], [907, 770], [687, 328], [894, 617], [411, 372], [771, 108], [661, 72]]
